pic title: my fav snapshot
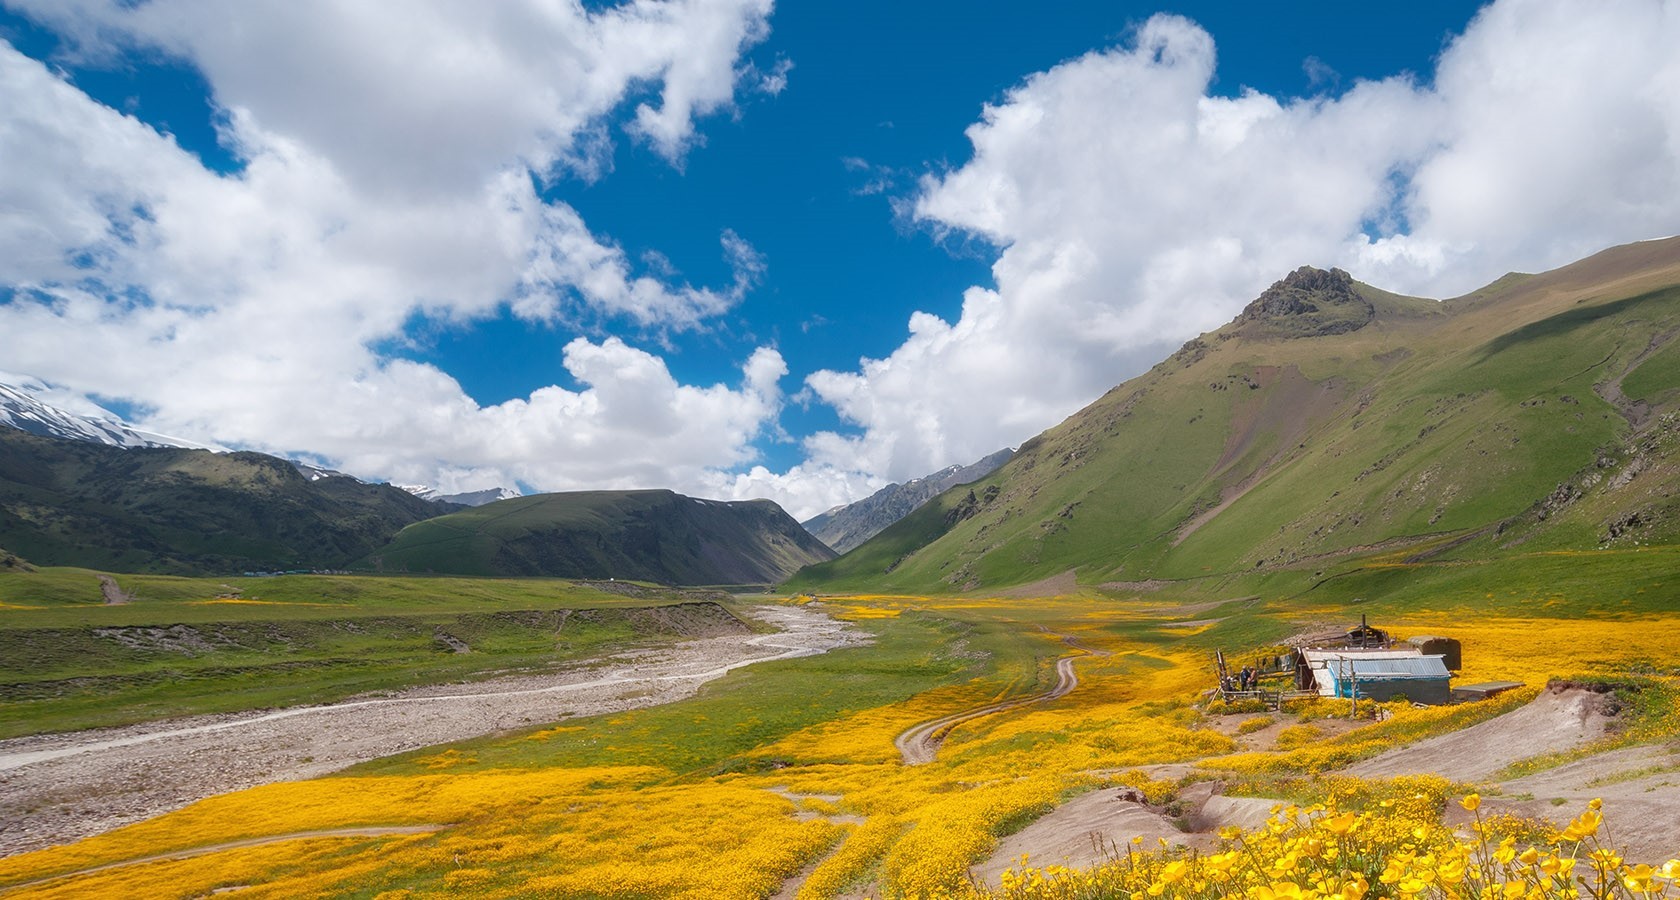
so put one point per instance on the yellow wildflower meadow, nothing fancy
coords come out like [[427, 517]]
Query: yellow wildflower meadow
[[885, 829], [1397, 849]]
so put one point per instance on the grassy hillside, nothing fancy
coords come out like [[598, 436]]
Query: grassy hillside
[[1332, 420], [185, 511], [645, 535]]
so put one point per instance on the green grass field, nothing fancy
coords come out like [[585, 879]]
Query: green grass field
[[720, 729], [203, 645]]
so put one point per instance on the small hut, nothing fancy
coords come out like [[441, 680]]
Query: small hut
[[1363, 635], [1449, 649], [1420, 679], [1366, 663]]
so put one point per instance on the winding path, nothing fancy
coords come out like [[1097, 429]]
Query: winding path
[[920, 743]]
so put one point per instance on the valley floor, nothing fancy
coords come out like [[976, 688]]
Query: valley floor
[[58, 787], [1060, 728]]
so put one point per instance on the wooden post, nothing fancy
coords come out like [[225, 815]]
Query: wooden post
[[1353, 685]]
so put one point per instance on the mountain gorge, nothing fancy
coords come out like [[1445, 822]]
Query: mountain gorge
[[1332, 419], [845, 527]]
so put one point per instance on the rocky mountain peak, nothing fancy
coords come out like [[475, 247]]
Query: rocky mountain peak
[[1308, 302]]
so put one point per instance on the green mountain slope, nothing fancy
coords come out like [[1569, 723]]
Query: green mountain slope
[[1332, 419], [74, 503], [642, 535]]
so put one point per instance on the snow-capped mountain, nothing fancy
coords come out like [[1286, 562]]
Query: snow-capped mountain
[[21, 407], [467, 498], [423, 491], [316, 473], [479, 498]]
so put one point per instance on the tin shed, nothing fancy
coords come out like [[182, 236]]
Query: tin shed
[[1421, 679], [1449, 649]]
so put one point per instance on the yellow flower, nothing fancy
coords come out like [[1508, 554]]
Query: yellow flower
[[1341, 824], [1471, 802], [1585, 826], [1638, 878], [1451, 871], [1174, 872], [1507, 851], [1221, 863], [1558, 866], [1411, 887]]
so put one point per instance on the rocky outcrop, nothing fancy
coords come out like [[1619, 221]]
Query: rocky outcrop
[[1308, 302]]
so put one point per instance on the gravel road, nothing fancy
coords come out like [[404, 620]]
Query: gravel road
[[57, 788]]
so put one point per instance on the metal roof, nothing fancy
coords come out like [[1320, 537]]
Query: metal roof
[[1323, 655], [1401, 667]]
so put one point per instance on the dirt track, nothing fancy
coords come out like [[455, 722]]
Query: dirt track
[[920, 744], [1555, 720], [59, 787]]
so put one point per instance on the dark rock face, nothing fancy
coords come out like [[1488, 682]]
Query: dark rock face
[[1308, 303]]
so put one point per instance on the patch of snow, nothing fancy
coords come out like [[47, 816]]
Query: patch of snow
[[423, 491], [475, 498], [21, 407]]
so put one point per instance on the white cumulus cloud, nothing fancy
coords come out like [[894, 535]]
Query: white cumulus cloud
[[394, 162], [391, 160], [439, 96], [1132, 208]]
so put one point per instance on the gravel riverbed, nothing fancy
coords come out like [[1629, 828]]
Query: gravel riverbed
[[56, 788]]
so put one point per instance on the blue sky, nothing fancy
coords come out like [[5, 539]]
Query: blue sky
[[463, 252]]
